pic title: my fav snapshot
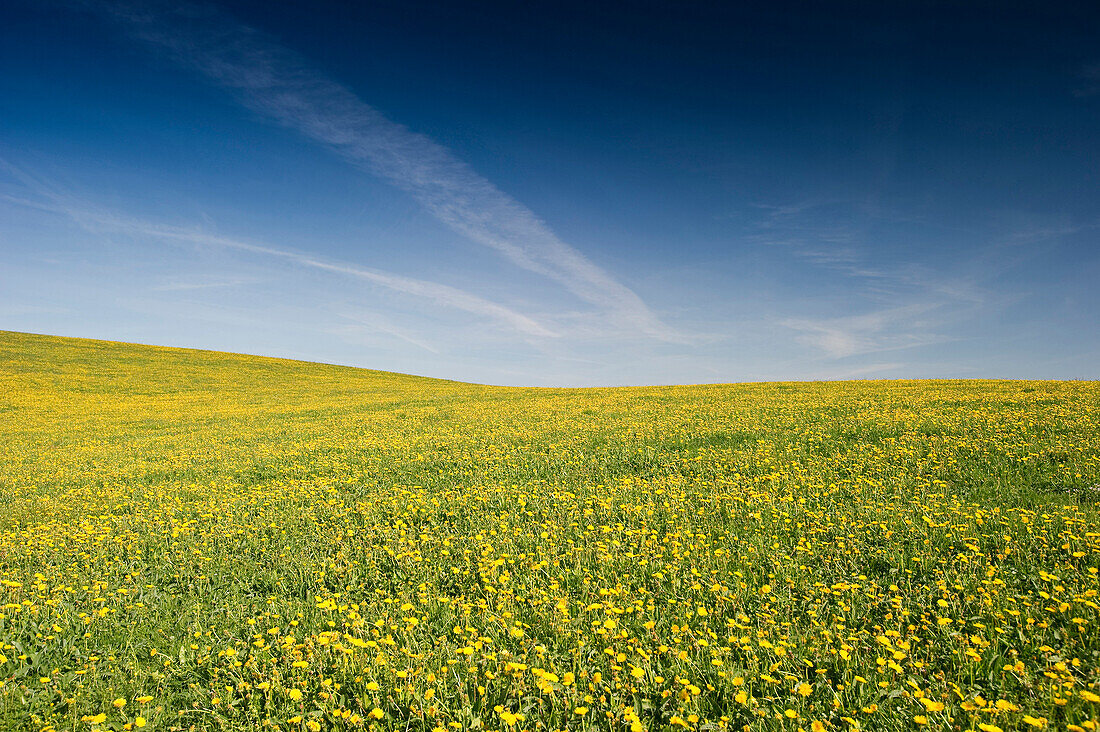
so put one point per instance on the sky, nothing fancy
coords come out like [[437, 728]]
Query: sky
[[559, 193]]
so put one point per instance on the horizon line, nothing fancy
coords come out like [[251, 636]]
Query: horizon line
[[778, 382]]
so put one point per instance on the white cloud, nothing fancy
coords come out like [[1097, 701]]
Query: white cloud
[[276, 83], [855, 372], [853, 335], [175, 284], [97, 220], [364, 323]]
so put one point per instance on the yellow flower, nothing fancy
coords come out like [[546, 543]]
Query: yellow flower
[[931, 705], [510, 718], [989, 728], [376, 713], [97, 719], [119, 703], [804, 690], [1088, 695], [139, 721], [580, 711], [920, 719], [1035, 721], [295, 694], [817, 726]]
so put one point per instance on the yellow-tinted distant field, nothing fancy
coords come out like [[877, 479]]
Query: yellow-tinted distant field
[[197, 540]]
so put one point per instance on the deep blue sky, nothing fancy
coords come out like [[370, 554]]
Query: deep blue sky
[[561, 194]]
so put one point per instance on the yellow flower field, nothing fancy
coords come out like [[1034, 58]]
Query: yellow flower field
[[196, 540]]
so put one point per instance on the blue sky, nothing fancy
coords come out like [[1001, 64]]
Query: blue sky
[[561, 194]]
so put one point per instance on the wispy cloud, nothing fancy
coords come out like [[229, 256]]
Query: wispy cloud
[[854, 335], [821, 232], [365, 322], [830, 234], [445, 295], [855, 372], [185, 285], [99, 221], [31, 310], [899, 297], [280, 85]]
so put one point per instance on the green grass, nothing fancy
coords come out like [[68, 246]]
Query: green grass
[[234, 542]]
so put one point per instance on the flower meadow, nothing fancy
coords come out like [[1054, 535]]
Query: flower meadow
[[193, 540]]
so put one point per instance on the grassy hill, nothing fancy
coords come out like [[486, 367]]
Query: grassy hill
[[204, 540]]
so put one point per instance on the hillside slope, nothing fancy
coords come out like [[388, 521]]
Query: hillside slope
[[226, 541]]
